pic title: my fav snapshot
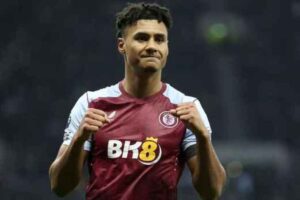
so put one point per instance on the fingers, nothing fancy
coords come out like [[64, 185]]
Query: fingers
[[186, 105], [90, 128], [187, 112], [96, 111], [189, 115], [93, 120], [97, 115], [183, 109]]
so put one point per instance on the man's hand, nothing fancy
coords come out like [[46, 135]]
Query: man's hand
[[93, 120], [66, 170], [188, 113], [208, 174]]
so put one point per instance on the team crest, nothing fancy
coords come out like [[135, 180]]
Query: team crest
[[167, 119]]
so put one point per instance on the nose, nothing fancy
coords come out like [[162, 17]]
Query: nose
[[151, 46]]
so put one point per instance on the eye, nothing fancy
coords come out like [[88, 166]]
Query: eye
[[160, 38], [141, 37]]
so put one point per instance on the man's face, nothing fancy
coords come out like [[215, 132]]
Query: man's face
[[145, 45]]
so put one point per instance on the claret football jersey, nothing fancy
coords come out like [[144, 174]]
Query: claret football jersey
[[141, 153]]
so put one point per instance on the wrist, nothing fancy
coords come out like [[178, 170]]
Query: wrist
[[78, 139], [203, 136]]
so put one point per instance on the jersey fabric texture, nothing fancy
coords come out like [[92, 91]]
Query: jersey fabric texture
[[140, 154]]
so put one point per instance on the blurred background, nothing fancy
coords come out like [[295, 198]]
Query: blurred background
[[240, 58]]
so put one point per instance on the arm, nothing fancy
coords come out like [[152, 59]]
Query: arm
[[66, 170], [208, 174]]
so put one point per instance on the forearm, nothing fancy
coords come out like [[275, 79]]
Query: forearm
[[65, 172], [209, 175]]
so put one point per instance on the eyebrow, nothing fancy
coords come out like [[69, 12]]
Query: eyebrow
[[146, 33]]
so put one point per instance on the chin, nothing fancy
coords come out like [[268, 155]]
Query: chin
[[150, 69]]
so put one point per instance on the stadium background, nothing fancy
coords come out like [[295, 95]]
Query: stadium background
[[241, 58]]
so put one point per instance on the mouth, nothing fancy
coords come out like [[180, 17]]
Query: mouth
[[150, 57]]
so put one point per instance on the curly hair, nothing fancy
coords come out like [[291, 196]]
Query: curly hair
[[137, 11]]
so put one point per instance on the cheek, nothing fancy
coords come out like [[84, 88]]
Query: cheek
[[132, 56], [165, 53], [165, 56]]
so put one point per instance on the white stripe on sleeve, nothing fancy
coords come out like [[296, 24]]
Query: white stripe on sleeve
[[75, 118]]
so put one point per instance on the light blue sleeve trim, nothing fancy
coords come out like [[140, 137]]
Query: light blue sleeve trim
[[188, 140], [189, 137], [75, 118]]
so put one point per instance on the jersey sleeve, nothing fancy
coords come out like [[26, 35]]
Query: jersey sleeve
[[189, 140], [74, 120]]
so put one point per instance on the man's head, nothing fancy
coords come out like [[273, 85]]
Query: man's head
[[142, 31], [137, 11]]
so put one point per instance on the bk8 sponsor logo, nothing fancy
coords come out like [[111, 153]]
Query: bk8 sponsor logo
[[147, 152]]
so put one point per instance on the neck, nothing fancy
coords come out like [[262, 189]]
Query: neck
[[142, 85]]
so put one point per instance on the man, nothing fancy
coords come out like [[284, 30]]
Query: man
[[137, 134]]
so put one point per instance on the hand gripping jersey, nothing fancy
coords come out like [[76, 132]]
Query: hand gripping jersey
[[140, 154]]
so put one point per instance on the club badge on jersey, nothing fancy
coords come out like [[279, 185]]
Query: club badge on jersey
[[167, 119]]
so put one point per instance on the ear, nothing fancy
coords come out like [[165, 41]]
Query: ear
[[121, 45]]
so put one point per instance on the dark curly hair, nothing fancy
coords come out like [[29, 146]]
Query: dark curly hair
[[137, 11]]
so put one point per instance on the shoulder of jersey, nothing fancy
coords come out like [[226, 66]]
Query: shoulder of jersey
[[110, 91], [175, 96]]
